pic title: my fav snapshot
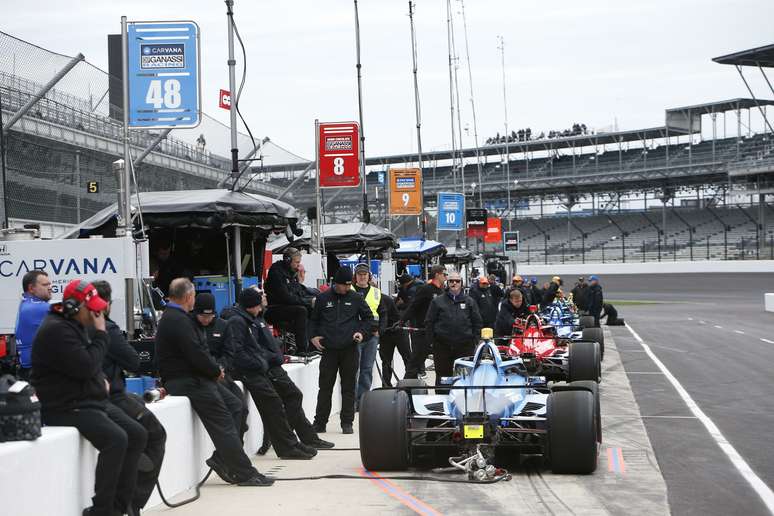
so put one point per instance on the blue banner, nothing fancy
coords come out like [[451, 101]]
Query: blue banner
[[163, 74], [451, 206]]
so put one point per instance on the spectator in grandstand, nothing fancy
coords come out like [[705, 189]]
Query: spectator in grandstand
[[415, 315], [453, 325], [341, 321], [258, 358], [73, 391], [213, 331], [36, 293], [188, 369], [550, 291], [393, 338], [579, 293], [370, 346], [120, 357], [288, 309], [594, 299], [514, 308], [481, 293]]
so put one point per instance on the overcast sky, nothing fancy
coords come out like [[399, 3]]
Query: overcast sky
[[566, 61]]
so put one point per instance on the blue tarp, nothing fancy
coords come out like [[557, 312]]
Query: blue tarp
[[419, 249]]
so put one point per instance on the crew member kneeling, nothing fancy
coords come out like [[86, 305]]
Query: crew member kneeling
[[73, 391], [187, 369]]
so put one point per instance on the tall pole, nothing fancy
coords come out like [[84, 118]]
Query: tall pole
[[78, 186], [3, 182], [454, 60], [505, 114], [451, 91], [232, 89], [473, 108], [418, 115], [126, 224], [366, 215]]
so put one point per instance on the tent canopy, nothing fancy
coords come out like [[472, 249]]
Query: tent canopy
[[211, 209], [351, 237], [458, 255], [419, 249]]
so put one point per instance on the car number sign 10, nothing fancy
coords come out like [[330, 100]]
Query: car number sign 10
[[451, 207], [163, 74], [339, 154]]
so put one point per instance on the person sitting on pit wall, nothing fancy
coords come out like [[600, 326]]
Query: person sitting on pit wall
[[188, 369], [258, 359], [120, 357], [288, 309], [73, 391], [510, 310], [33, 308]]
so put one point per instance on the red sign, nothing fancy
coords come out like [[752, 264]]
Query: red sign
[[338, 159], [494, 231], [224, 101]]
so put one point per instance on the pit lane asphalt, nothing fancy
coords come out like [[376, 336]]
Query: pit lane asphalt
[[696, 334]]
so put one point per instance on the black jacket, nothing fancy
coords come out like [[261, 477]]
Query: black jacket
[[255, 348], [336, 318], [67, 365], [379, 324], [579, 294], [594, 300], [505, 317], [537, 295], [120, 357], [406, 294], [526, 294], [181, 348], [215, 337], [282, 287], [487, 304], [550, 294], [455, 321], [393, 316], [416, 313]]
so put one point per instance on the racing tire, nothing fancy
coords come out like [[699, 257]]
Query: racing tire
[[594, 388], [413, 382], [584, 362], [572, 432], [586, 321], [596, 335], [383, 435]]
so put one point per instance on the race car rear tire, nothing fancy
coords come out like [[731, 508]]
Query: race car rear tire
[[413, 382], [587, 321], [383, 435], [584, 362], [572, 433], [594, 388], [596, 335]]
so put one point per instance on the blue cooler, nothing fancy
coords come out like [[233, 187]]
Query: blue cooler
[[148, 383], [135, 386]]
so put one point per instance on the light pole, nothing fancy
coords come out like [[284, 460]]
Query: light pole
[[507, 160]]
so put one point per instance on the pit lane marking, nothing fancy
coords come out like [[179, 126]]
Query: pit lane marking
[[740, 332], [615, 461], [387, 487], [744, 469], [718, 327], [767, 340]]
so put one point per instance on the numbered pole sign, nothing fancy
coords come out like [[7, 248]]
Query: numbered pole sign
[[476, 222], [339, 162], [405, 191], [511, 241], [451, 207], [224, 100], [163, 74], [494, 230]]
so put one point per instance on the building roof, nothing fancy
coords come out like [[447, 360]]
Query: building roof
[[759, 56]]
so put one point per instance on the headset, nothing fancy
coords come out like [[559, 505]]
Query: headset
[[289, 253], [71, 306]]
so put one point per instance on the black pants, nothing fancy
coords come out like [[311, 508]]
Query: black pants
[[387, 345], [444, 355], [135, 408], [232, 386], [120, 441], [344, 362], [293, 319], [221, 414], [419, 351], [24, 373]]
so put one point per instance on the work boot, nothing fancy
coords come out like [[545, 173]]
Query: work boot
[[257, 480], [346, 428], [295, 453], [220, 469], [319, 427], [319, 444], [308, 449]]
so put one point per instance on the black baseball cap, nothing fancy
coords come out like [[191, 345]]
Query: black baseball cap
[[204, 304]]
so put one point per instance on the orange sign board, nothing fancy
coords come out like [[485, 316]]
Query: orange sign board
[[405, 191], [494, 231]]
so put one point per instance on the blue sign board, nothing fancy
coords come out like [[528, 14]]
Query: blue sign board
[[163, 74], [451, 206], [381, 178]]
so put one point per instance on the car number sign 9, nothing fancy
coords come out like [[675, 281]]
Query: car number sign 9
[[405, 191], [338, 154]]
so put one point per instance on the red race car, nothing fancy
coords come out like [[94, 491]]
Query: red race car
[[545, 354]]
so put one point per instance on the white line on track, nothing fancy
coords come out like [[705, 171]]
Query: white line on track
[[702, 322], [690, 318], [758, 485], [767, 340], [740, 332], [718, 327]]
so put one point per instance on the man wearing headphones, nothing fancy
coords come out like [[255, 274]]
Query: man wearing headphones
[[73, 391], [368, 349], [287, 308]]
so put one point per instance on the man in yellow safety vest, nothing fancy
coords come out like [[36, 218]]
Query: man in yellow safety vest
[[370, 346]]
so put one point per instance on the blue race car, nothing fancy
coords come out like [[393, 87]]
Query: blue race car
[[569, 325], [491, 412]]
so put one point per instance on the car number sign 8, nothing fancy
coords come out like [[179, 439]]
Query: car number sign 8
[[338, 154]]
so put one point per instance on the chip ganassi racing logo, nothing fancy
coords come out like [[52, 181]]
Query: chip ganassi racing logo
[[338, 143], [169, 55]]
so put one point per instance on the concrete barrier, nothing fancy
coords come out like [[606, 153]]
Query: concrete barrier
[[664, 267], [768, 302]]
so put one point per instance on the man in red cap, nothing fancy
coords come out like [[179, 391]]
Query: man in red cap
[[73, 391]]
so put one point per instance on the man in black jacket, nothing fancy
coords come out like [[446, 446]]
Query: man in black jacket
[[258, 358], [579, 293], [485, 300], [409, 286], [549, 294], [287, 308], [415, 316], [341, 321], [187, 369], [391, 339], [73, 391], [510, 310], [594, 299], [537, 292], [120, 357], [526, 290], [453, 323]]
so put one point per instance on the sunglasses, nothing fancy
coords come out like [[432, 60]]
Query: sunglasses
[[455, 281]]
